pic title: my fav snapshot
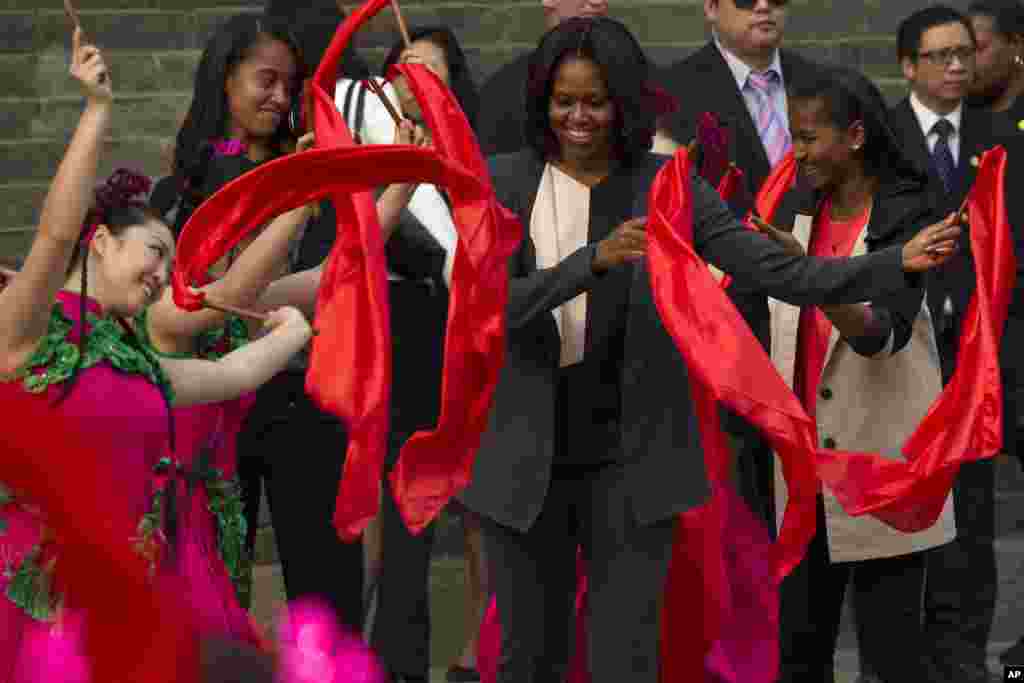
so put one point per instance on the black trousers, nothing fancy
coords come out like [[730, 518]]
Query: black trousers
[[297, 451], [534, 577], [886, 599], [401, 627], [960, 591]]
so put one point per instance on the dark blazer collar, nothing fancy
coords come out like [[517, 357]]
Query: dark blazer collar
[[915, 144]]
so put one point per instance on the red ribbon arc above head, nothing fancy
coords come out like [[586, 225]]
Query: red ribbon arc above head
[[350, 366], [434, 466]]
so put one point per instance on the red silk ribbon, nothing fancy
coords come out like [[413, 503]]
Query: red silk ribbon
[[434, 466], [350, 365], [965, 422]]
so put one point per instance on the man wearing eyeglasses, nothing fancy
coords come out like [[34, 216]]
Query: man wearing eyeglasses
[[936, 47]]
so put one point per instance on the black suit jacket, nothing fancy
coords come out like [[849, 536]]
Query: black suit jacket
[[979, 131], [660, 448]]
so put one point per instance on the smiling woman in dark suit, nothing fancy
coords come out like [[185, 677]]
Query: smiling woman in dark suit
[[583, 448]]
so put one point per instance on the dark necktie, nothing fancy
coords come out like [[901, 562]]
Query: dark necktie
[[942, 156]]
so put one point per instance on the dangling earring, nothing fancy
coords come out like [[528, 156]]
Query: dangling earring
[[1018, 61]]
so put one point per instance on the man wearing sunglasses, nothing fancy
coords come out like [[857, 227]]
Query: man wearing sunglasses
[[740, 76], [937, 50]]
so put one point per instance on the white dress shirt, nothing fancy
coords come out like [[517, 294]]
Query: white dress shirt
[[927, 118]]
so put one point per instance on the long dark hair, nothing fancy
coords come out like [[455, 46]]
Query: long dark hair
[[209, 113], [119, 204], [849, 96], [459, 76], [626, 69]]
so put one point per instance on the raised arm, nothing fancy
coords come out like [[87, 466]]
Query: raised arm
[[25, 304], [757, 263], [243, 370]]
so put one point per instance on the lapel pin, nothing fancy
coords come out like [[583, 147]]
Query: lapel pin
[[975, 161]]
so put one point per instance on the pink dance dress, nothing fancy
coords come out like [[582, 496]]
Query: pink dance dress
[[200, 501], [173, 466]]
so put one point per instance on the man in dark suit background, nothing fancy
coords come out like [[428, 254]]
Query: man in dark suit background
[[740, 75], [937, 50], [500, 125]]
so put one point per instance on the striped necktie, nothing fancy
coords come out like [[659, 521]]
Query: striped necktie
[[770, 125]]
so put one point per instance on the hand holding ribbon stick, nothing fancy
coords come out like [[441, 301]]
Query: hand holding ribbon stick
[[72, 13]]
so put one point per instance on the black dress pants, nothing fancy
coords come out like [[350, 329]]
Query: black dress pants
[[401, 627], [960, 590], [887, 601], [534, 575], [297, 451]]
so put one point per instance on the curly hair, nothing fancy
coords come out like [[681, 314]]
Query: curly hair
[[627, 72]]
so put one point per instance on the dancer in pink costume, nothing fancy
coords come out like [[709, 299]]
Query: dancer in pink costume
[[98, 259]]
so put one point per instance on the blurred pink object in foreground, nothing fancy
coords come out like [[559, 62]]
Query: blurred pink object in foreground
[[315, 649]]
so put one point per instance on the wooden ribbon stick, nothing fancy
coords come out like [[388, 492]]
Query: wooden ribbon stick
[[240, 312], [234, 310], [376, 88], [402, 27], [72, 13]]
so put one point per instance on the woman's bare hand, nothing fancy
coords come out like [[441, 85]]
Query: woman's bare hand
[[90, 70]]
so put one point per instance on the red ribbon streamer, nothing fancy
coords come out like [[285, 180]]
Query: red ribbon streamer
[[965, 422], [434, 466], [350, 367]]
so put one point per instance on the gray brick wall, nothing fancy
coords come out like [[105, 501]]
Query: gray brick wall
[[153, 47]]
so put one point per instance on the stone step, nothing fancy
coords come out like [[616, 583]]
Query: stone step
[[45, 74], [35, 160], [20, 203], [128, 28], [147, 114]]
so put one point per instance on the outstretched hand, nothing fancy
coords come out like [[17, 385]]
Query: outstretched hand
[[90, 70], [934, 245]]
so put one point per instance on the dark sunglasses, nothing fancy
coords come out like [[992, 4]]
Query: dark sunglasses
[[749, 4]]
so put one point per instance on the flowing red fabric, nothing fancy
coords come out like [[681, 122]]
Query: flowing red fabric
[[965, 423], [435, 465], [722, 355], [350, 364], [720, 612], [281, 185], [133, 634]]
